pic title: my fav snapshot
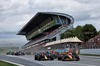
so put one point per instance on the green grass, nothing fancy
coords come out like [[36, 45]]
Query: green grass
[[2, 63], [89, 55]]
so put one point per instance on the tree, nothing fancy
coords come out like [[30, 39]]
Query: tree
[[89, 31], [99, 32], [84, 33], [79, 32], [68, 33]]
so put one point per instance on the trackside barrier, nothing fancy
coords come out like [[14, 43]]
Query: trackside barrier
[[90, 51]]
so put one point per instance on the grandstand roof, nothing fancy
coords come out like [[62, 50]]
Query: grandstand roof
[[75, 39], [39, 17]]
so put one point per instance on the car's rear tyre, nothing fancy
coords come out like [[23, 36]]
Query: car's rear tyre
[[77, 58], [59, 58], [52, 58], [35, 58]]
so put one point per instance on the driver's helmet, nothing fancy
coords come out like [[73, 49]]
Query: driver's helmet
[[42, 53], [69, 50], [70, 53]]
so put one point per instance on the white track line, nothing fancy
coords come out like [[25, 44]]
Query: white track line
[[12, 62], [32, 60]]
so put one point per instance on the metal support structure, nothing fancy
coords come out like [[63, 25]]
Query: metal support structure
[[60, 20], [66, 21]]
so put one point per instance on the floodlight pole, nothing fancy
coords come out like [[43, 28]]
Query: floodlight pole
[[60, 42]]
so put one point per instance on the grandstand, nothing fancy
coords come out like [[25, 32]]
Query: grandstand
[[45, 27], [93, 43]]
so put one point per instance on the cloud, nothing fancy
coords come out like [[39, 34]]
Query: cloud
[[94, 22], [15, 22], [15, 41], [14, 14]]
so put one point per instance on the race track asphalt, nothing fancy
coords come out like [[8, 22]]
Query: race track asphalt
[[19, 60], [28, 60]]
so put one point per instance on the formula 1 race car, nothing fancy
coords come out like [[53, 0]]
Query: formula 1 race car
[[67, 57], [19, 53], [43, 56], [56, 55], [15, 53], [10, 53]]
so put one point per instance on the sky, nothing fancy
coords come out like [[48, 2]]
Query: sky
[[14, 14]]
